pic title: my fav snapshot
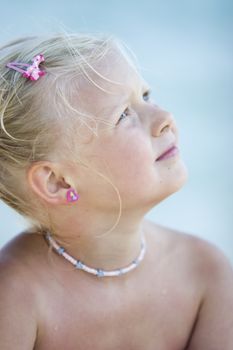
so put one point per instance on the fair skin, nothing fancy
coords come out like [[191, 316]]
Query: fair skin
[[179, 297], [127, 155]]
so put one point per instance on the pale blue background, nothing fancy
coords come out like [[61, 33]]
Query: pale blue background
[[185, 48]]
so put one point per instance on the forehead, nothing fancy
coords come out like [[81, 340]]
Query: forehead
[[109, 82]]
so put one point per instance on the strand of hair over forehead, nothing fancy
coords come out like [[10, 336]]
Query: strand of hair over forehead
[[74, 52]]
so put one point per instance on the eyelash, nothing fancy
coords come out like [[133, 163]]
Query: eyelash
[[146, 97]]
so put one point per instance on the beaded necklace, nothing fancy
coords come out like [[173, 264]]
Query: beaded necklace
[[97, 272]]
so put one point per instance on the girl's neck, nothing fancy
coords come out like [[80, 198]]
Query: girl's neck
[[107, 251]]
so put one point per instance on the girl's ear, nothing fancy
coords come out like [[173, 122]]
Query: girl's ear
[[46, 181]]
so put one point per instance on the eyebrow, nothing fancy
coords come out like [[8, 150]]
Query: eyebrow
[[119, 106], [113, 110]]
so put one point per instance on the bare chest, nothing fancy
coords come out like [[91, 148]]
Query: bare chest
[[140, 318]]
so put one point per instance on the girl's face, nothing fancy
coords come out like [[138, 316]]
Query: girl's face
[[127, 152]]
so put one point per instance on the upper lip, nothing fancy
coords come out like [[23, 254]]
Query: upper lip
[[167, 150]]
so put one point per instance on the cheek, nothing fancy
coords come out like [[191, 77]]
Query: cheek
[[133, 156]]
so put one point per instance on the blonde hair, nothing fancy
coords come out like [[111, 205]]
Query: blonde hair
[[32, 112]]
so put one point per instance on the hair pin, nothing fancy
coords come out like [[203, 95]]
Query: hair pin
[[32, 71]]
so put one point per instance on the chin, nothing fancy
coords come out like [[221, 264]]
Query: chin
[[181, 177], [170, 186]]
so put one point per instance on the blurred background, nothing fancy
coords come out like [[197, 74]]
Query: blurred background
[[185, 49]]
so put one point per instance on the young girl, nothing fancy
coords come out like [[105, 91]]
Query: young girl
[[84, 154]]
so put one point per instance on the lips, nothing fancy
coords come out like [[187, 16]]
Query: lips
[[170, 149]]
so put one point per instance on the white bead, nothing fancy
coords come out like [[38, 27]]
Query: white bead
[[97, 272]]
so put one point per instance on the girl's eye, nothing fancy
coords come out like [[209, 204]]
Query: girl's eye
[[146, 96], [124, 114]]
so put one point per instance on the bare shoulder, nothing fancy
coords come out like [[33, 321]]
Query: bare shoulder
[[22, 249], [13, 264], [18, 317], [22, 260], [204, 256], [213, 273], [214, 327], [19, 259]]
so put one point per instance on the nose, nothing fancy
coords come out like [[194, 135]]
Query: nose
[[162, 121]]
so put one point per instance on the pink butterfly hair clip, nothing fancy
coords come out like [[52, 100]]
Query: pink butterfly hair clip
[[32, 71]]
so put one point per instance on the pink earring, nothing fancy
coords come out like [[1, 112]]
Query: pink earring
[[72, 195]]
